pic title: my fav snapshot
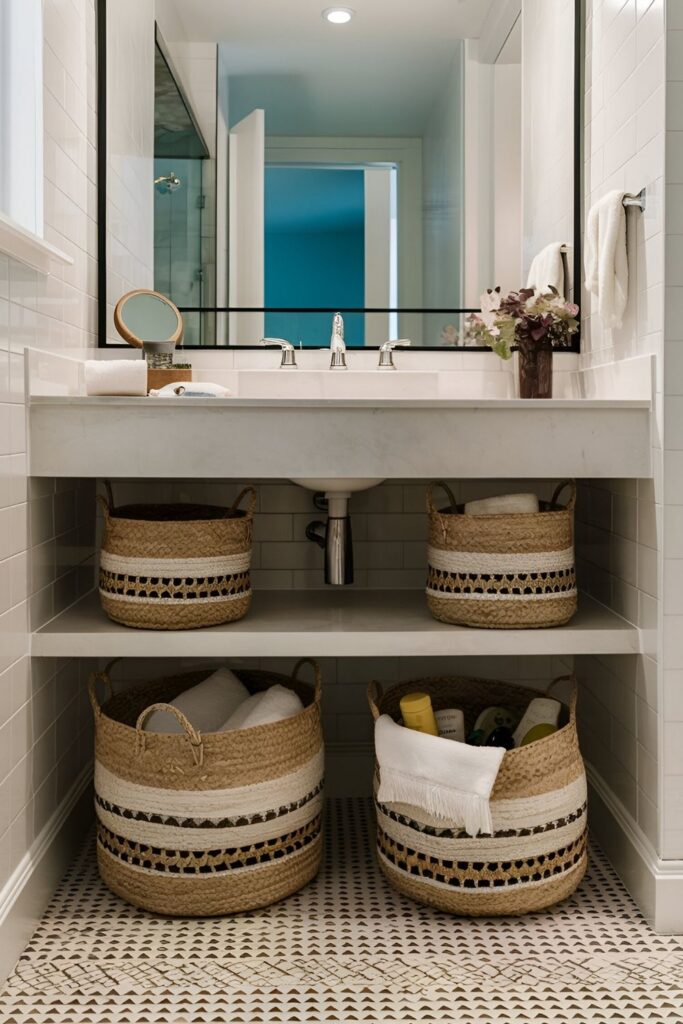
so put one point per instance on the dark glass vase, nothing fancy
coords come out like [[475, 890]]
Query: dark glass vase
[[535, 372]]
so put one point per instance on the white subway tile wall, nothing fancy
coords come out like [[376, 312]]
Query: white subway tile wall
[[47, 527], [621, 529]]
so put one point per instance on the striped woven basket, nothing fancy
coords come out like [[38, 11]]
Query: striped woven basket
[[537, 854], [176, 566], [201, 825], [502, 571]]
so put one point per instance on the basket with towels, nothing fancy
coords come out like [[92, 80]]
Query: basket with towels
[[176, 566], [472, 830], [209, 789], [502, 563]]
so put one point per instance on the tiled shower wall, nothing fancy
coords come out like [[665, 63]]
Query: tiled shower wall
[[620, 528], [47, 531]]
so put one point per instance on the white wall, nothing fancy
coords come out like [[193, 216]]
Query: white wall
[[506, 169], [46, 526], [130, 150]]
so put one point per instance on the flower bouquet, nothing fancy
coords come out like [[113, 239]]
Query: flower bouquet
[[535, 323]]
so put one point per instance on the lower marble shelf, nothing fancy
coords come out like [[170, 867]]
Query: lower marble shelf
[[333, 624]]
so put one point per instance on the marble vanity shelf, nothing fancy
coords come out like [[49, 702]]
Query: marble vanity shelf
[[333, 624]]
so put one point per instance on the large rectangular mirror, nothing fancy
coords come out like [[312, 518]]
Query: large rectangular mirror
[[266, 164]]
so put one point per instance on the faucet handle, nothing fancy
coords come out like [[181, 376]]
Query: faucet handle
[[386, 358], [288, 360]]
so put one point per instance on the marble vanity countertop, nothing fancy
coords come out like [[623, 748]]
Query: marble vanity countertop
[[345, 403]]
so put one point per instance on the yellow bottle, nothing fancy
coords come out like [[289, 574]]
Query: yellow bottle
[[417, 712]]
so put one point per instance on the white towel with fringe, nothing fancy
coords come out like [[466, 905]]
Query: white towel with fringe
[[606, 263], [547, 269], [448, 779], [264, 708]]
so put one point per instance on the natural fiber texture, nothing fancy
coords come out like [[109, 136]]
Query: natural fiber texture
[[538, 809], [176, 566], [513, 571], [198, 812]]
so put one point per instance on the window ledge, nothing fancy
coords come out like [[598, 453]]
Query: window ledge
[[29, 248]]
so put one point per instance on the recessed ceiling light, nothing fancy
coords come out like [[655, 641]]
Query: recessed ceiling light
[[338, 15]]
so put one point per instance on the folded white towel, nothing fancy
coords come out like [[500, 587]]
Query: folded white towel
[[264, 708], [547, 268], [448, 779], [190, 389], [115, 377], [505, 504], [206, 705], [605, 261]]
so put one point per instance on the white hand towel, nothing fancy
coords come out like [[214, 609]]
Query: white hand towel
[[547, 269], [191, 388], [448, 779], [206, 705], [264, 708], [606, 263], [505, 504], [115, 377]]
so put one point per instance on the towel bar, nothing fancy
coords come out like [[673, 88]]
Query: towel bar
[[635, 200]]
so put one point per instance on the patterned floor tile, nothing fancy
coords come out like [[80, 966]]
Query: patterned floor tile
[[347, 949]]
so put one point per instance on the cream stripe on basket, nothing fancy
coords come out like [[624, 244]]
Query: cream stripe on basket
[[138, 599], [211, 803], [183, 838], [498, 564], [482, 848], [493, 596], [195, 568], [523, 812]]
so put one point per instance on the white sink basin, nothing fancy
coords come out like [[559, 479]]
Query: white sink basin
[[338, 384], [346, 484]]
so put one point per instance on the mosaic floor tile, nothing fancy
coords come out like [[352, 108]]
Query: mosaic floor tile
[[347, 949]]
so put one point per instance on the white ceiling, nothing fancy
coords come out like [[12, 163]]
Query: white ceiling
[[378, 75]]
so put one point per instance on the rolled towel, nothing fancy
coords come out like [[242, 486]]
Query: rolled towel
[[115, 377], [206, 705], [264, 708], [505, 504], [191, 389], [450, 780]]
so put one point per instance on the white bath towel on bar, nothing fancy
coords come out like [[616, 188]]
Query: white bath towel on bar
[[547, 269], [606, 261], [448, 779]]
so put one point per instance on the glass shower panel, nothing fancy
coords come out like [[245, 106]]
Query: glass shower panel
[[178, 204]]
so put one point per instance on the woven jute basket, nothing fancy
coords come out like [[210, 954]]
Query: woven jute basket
[[198, 825], [502, 571], [537, 853], [176, 566]]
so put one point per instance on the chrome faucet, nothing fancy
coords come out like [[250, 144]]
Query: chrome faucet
[[386, 353], [288, 361], [337, 344]]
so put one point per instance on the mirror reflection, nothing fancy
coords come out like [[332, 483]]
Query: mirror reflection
[[269, 164]]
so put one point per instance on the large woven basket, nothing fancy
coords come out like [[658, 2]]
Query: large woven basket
[[502, 571], [537, 853], [200, 825], [176, 566]]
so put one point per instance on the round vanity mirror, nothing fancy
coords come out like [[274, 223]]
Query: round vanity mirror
[[144, 316]]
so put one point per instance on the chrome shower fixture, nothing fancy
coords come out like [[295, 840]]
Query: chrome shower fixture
[[167, 182]]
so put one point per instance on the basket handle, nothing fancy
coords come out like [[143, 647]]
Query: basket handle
[[107, 503], [318, 675], [572, 698], [558, 491], [252, 504], [431, 507], [194, 737], [104, 677], [375, 694]]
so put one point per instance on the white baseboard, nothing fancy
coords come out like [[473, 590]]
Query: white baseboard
[[655, 884], [31, 885]]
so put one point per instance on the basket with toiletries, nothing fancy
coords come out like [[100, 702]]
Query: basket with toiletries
[[502, 563], [176, 566], [209, 789], [494, 824]]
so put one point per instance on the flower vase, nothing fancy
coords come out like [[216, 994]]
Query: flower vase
[[535, 372]]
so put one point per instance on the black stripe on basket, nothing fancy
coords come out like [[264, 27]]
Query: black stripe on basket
[[267, 851], [540, 868], [450, 833], [238, 821]]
